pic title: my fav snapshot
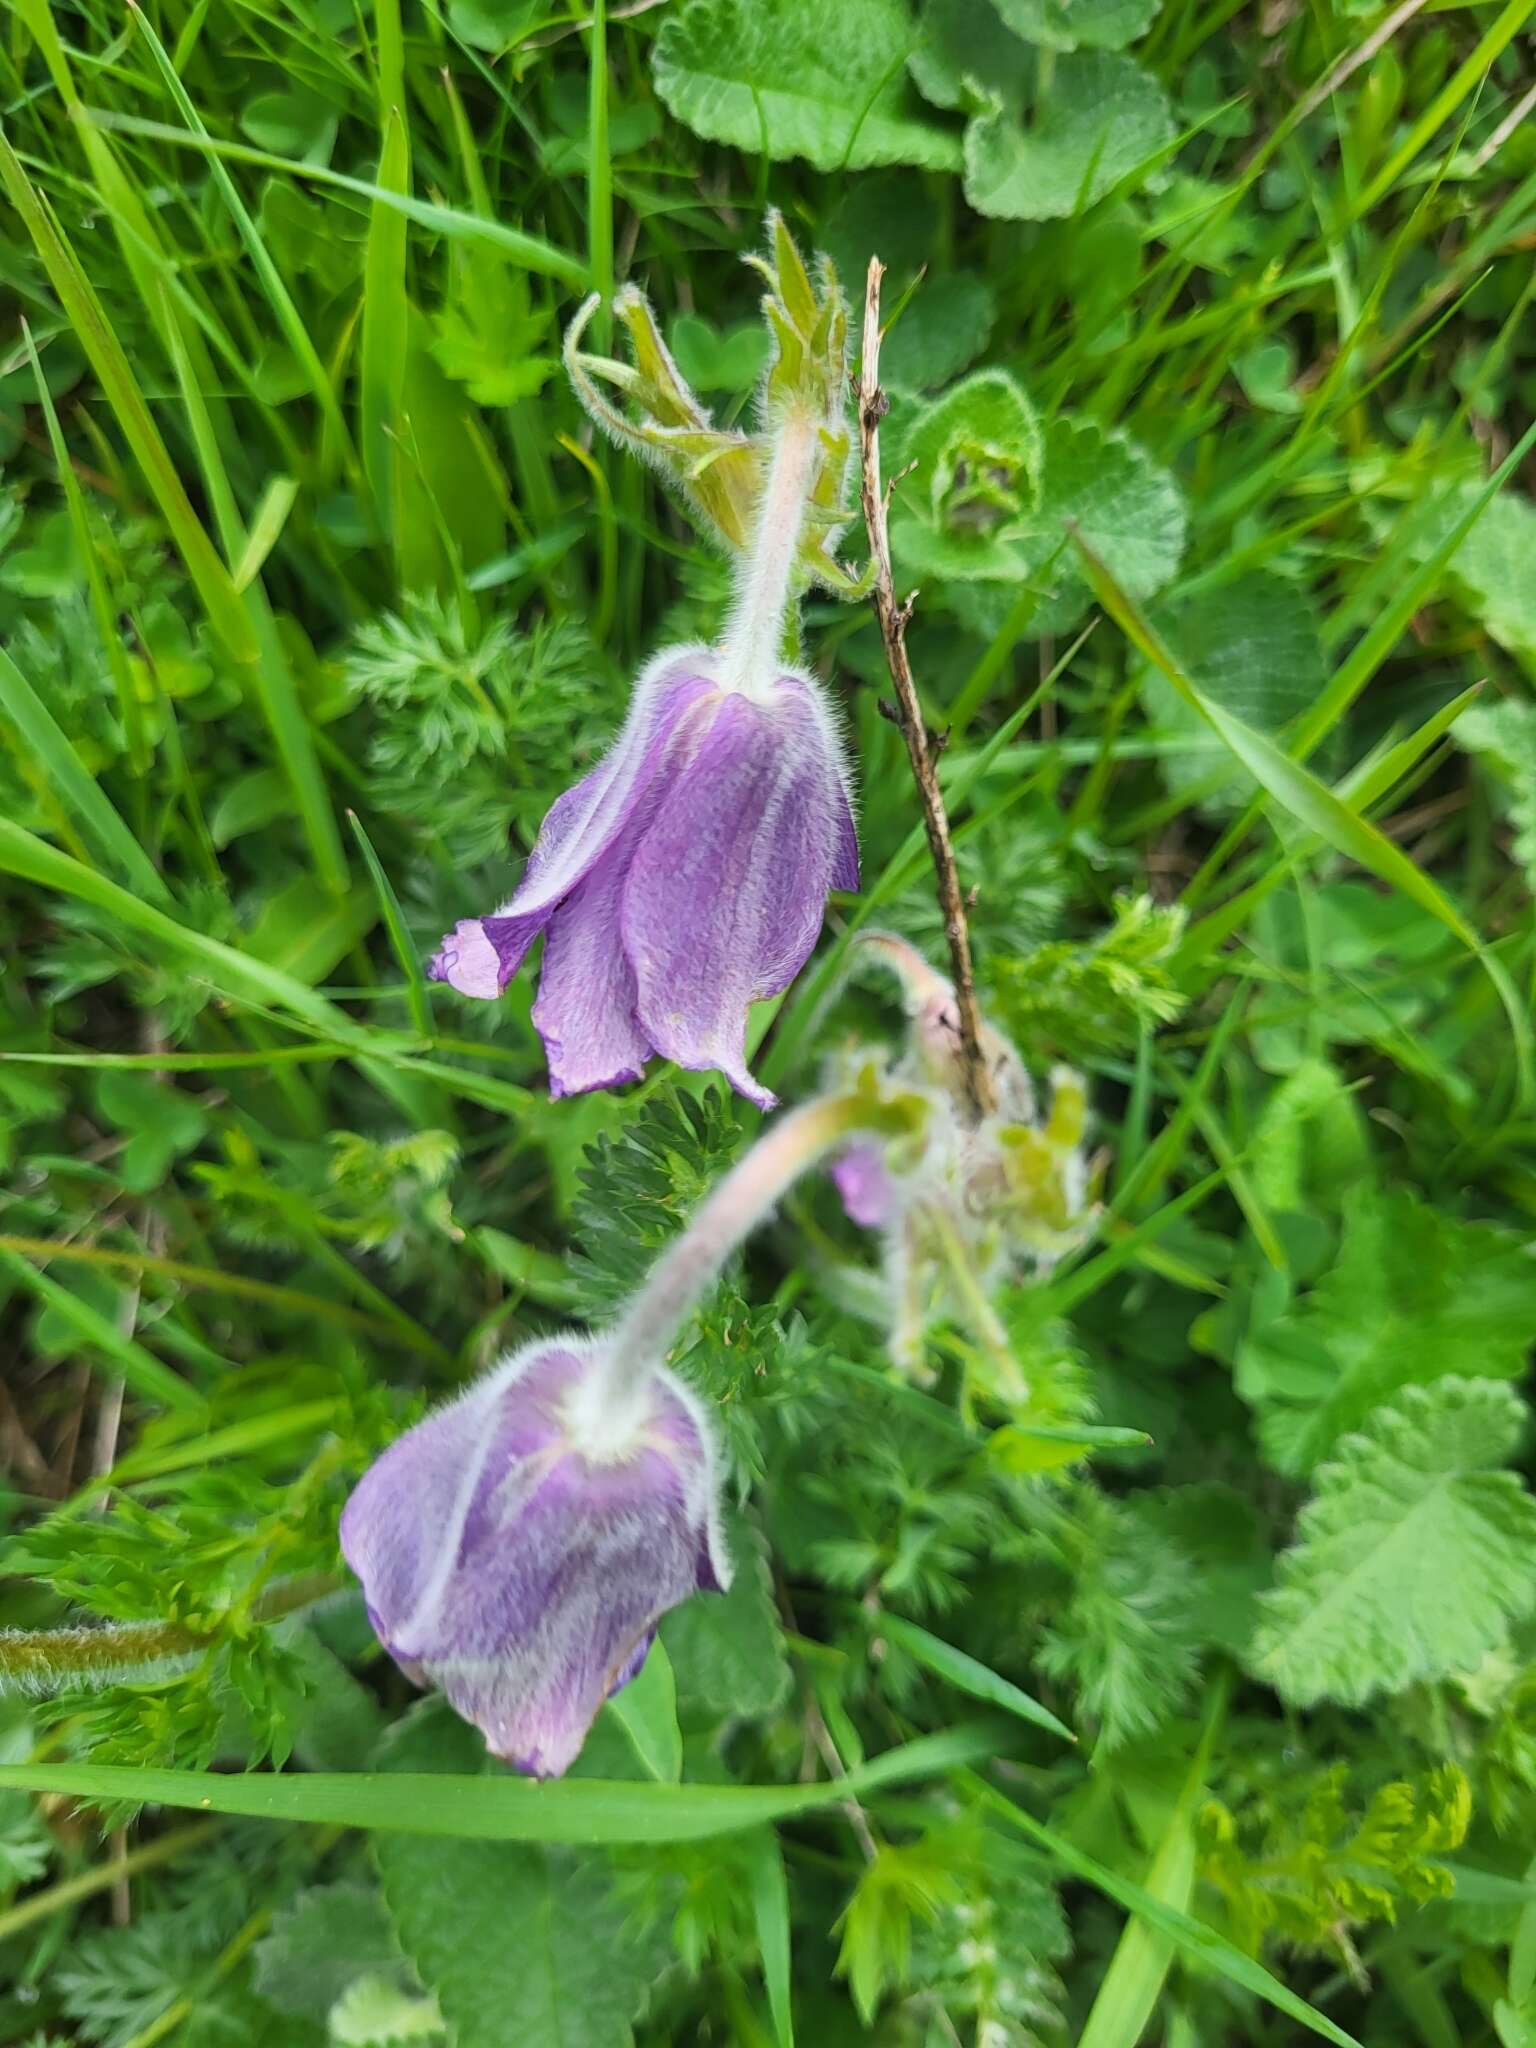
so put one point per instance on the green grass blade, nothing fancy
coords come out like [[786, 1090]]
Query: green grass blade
[[1139, 1967], [220, 600], [416, 996], [505, 1809], [267, 523], [1293, 787], [272, 675], [101, 1340], [969, 1675], [276, 293], [1210, 1950], [76, 789], [129, 709], [771, 1918], [529, 251], [233, 974], [386, 318]]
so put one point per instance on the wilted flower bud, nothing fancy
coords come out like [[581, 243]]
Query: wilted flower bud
[[686, 876], [518, 1547], [963, 1213]]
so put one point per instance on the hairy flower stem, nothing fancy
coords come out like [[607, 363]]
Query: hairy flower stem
[[686, 1270], [923, 756], [751, 654], [48, 1660]]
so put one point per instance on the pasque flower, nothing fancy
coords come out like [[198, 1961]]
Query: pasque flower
[[518, 1547], [686, 876]]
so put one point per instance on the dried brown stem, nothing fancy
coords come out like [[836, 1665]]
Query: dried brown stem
[[921, 751]]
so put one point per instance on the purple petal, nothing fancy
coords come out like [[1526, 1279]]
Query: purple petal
[[727, 889], [865, 1184], [845, 866], [521, 1574], [585, 1012], [579, 827], [470, 960]]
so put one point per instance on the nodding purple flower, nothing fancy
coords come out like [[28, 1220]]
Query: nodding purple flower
[[681, 880], [518, 1547], [687, 875]]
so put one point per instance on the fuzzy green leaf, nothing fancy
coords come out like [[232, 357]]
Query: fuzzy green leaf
[[1103, 120], [787, 78], [1413, 1296], [1079, 24], [1412, 1557]]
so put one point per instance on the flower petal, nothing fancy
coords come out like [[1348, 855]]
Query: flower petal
[[406, 1520], [864, 1182], [728, 887], [579, 827], [585, 1012]]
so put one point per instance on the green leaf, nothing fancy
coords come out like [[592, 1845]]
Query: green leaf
[[321, 1943], [1209, 1949], [969, 1674], [771, 1917], [1291, 785], [973, 459], [788, 78], [1491, 570], [1412, 1557], [304, 931], [503, 1809], [50, 755], [1504, 734], [249, 802], [373, 2012], [943, 327], [967, 57], [1127, 507], [1079, 24], [291, 123], [1103, 120], [728, 1648], [646, 1709], [1254, 645], [101, 1339], [221, 601], [571, 1975], [1414, 1295]]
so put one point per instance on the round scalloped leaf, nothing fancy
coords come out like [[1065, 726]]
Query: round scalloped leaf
[[1128, 507], [785, 78], [1102, 119], [1079, 24], [967, 57]]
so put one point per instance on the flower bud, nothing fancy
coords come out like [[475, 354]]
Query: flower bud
[[518, 1548]]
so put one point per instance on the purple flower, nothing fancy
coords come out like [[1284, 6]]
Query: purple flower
[[864, 1182], [519, 1546], [681, 880]]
